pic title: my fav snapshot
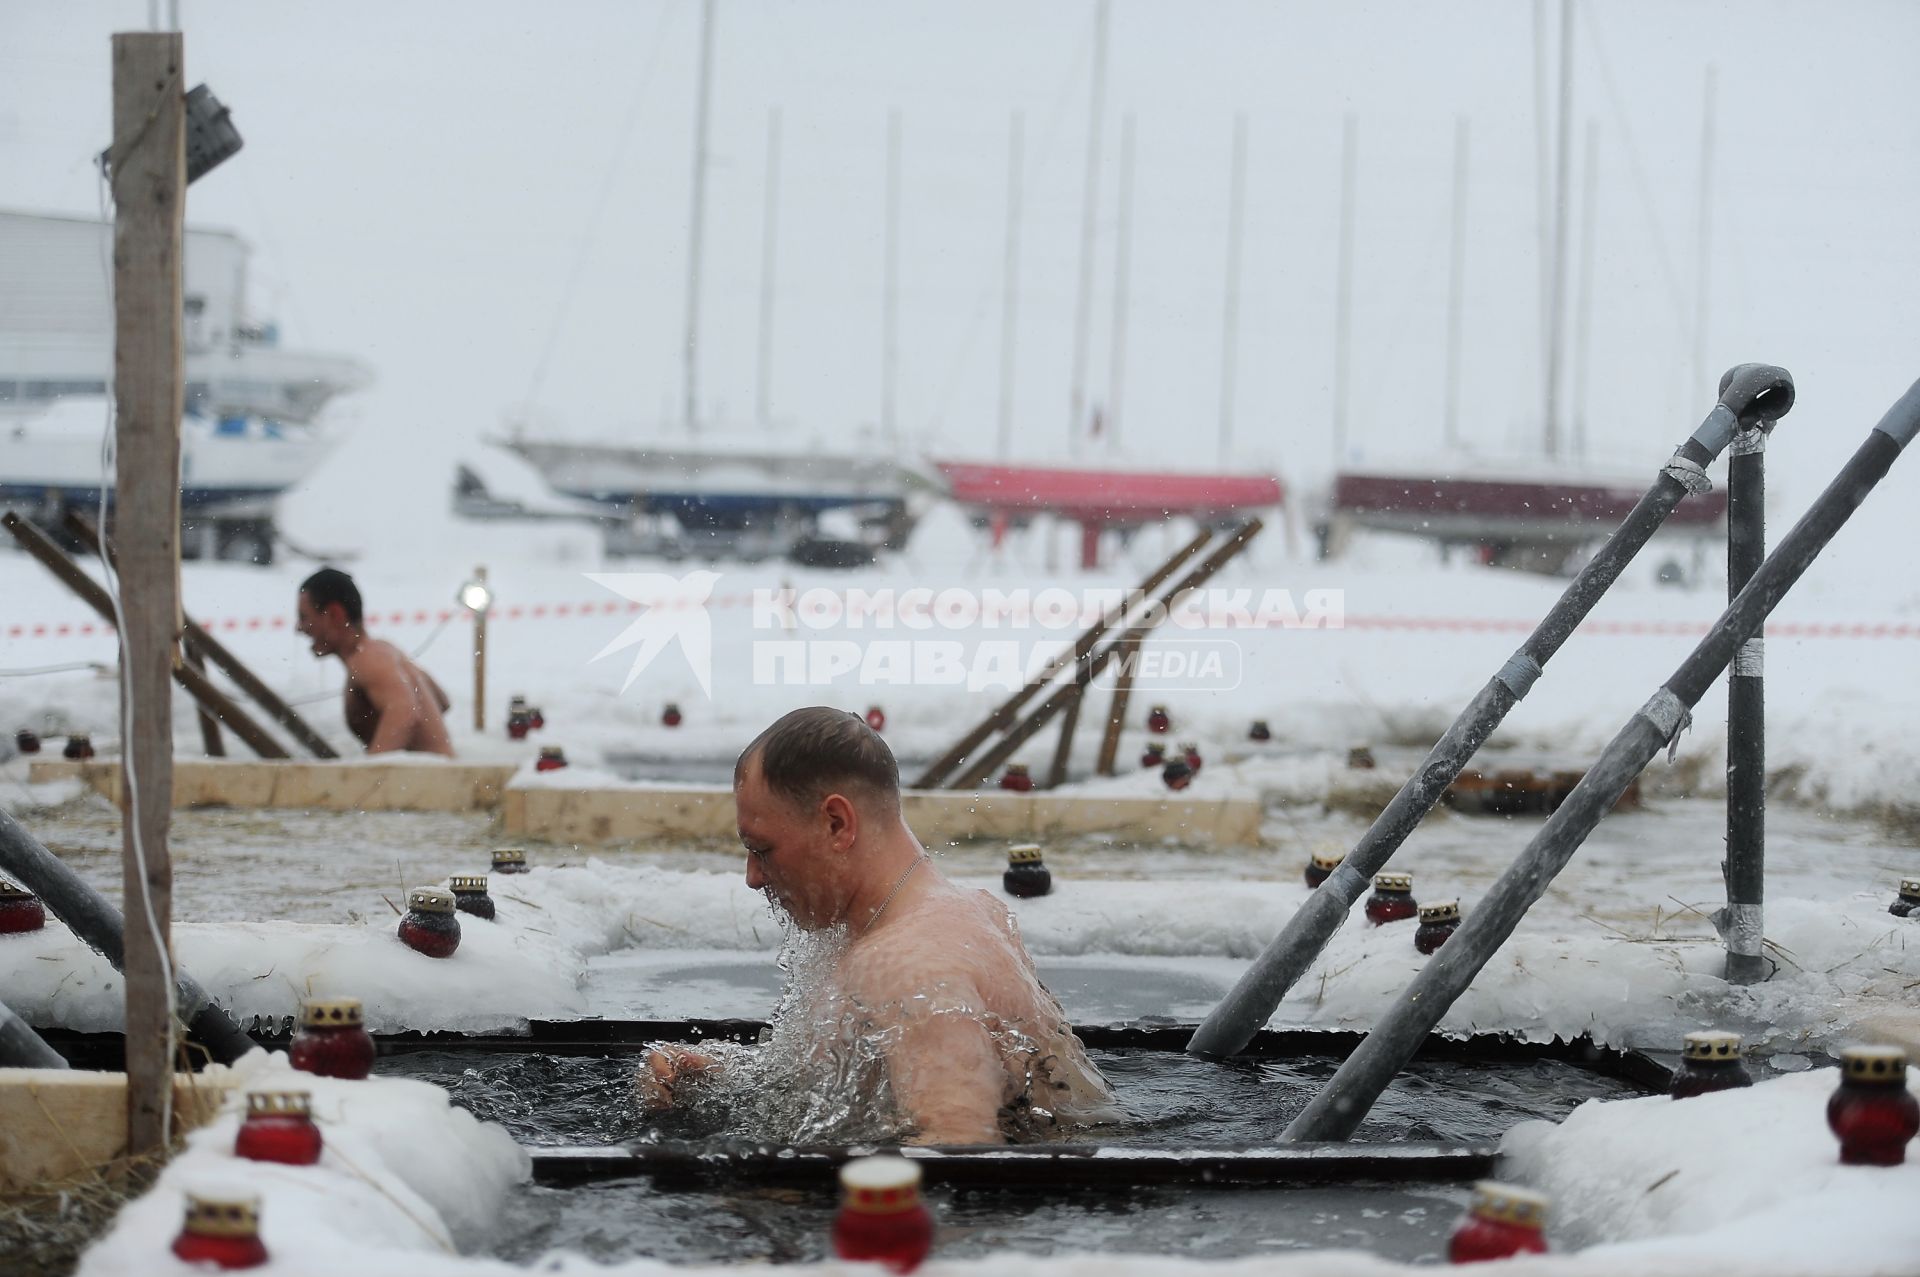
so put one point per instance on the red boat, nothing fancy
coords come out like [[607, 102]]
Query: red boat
[[1545, 516], [1102, 499]]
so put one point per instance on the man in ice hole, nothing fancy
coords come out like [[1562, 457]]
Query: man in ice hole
[[392, 704], [976, 1049]]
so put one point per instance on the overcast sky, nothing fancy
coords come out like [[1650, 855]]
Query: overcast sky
[[488, 204]]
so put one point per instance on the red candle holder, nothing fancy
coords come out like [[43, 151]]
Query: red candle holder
[[519, 720], [1321, 864], [1176, 775], [1437, 922], [1159, 721], [882, 1219], [552, 759], [20, 910], [1392, 899], [1190, 754], [1710, 1060], [1907, 903], [1016, 778], [876, 718], [221, 1229], [1873, 1112], [79, 746], [470, 895], [670, 716], [430, 925], [27, 742], [1259, 730], [333, 1040], [536, 719], [1155, 755], [1502, 1221], [1026, 876], [279, 1128], [509, 860]]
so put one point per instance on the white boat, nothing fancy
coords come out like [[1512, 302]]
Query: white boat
[[254, 423]]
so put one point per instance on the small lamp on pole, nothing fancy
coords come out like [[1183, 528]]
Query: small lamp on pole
[[478, 599]]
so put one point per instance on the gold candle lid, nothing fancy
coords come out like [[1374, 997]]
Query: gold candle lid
[[331, 1013], [430, 900], [468, 882], [1710, 1044], [1017, 769], [1509, 1204], [13, 891], [1157, 709], [1910, 886], [880, 1185], [84, 738], [1875, 1064], [223, 1213], [509, 856], [1393, 882], [552, 751], [1328, 860], [518, 702], [1444, 911], [1027, 853], [280, 1104]]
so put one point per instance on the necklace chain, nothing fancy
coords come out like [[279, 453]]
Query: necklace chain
[[899, 882]]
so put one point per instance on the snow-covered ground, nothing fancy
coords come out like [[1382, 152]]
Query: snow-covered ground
[[278, 905]]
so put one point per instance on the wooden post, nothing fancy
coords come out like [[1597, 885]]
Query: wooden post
[[209, 725], [148, 161], [480, 659], [1117, 715], [1063, 752]]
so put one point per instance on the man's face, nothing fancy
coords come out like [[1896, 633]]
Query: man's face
[[791, 852], [324, 628]]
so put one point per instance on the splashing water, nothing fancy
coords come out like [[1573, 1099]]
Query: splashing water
[[821, 1072]]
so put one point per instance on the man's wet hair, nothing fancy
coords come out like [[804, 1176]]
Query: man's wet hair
[[331, 585], [817, 751]]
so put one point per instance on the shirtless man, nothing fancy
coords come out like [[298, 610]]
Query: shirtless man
[[392, 704], [975, 1047]]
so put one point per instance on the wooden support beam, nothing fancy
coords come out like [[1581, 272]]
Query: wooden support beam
[[210, 738], [1116, 720], [976, 772], [94, 595], [1063, 751], [937, 771], [201, 644], [148, 164]]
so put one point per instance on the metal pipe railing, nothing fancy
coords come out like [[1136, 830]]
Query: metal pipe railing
[[94, 919], [1750, 394], [1343, 1103], [21, 1047], [1742, 922]]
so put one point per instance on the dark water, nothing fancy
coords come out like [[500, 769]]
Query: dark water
[[1172, 1100], [629, 1219]]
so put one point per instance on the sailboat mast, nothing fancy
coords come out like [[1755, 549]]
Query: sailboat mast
[[690, 376], [890, 302], [1343, 299], [1083, 307], [1703, 254], [1583, 304], [1562, 165], [1230, 306], [1010, 281], [1122, 269], [769, 242], [1456, 280]]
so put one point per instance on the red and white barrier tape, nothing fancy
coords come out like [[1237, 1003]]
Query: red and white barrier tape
[[1405, 624]]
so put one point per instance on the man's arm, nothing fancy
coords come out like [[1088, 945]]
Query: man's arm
[[947, 1075], [390, 693]]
